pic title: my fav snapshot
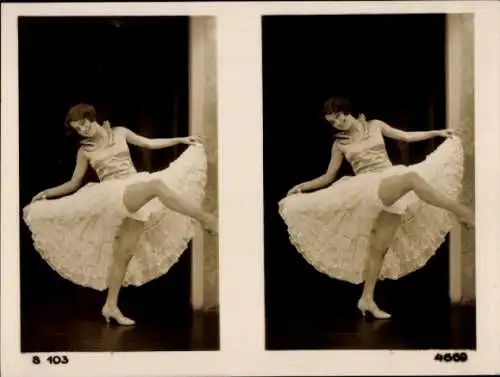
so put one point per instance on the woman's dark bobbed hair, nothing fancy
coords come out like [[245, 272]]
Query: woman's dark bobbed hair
[[337, 105], [81, 111], [76, 113]]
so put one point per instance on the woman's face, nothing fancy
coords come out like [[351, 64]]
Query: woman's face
[[85, 127], [340, 121]]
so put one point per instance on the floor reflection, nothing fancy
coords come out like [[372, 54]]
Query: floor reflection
[[56, 328], [453, 329]]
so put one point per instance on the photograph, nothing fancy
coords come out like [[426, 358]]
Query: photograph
[[368, 159], [118, 184], [250, 188]]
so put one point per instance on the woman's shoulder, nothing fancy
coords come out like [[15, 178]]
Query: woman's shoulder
[[83, 151], [374, 125], [378, 123], [117, 129], [339, 143], [119, 133]]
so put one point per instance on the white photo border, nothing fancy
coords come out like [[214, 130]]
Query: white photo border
[[239, 101]]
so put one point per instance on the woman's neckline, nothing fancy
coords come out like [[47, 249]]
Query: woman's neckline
[[364, 134], [91, 146]]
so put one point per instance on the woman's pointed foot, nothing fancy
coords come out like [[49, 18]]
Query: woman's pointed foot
[[467, 219], [211, 225], [116, 314], [369, 306]]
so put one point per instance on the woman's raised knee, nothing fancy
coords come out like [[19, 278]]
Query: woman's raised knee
[[158, 187], [411, 179]]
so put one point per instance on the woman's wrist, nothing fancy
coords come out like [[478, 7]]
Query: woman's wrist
[[438, 133]]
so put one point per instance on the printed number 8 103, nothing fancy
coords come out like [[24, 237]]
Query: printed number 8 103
[[53, 360]]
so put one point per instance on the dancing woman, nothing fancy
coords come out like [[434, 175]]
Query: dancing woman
[[387, 220], [130, 227]]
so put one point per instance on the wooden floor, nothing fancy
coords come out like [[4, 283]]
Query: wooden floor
[[443, 329], [63, 326]]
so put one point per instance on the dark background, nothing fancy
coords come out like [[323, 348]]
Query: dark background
[[135, 72], [393, 69]]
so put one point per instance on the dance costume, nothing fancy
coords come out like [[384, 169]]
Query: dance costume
[[75, 234], [331, 227]]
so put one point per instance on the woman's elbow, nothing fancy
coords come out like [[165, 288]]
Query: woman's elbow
[[407, 138], [148, 144], [75, 184], [328, 178]]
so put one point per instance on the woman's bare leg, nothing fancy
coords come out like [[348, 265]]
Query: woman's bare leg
[[137, 195], [393, 188], [124, 247], [381, 237]]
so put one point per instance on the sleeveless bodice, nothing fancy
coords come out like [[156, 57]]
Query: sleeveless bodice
[[113, 161], [369, 154]]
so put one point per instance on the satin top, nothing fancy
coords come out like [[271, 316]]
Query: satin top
[[369, 154], [113, 161]]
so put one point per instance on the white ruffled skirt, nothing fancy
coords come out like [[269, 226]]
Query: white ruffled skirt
[[75, 234], [331, 227]]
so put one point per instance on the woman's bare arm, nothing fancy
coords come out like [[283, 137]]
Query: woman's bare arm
[[410, 136], [73, 184], [325, 179], [144, 142]]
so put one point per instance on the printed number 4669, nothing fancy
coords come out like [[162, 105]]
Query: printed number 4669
[[54, 360], [448, 357]]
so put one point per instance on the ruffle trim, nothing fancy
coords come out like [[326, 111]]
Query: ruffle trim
[[96, 213], [341, 251]]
